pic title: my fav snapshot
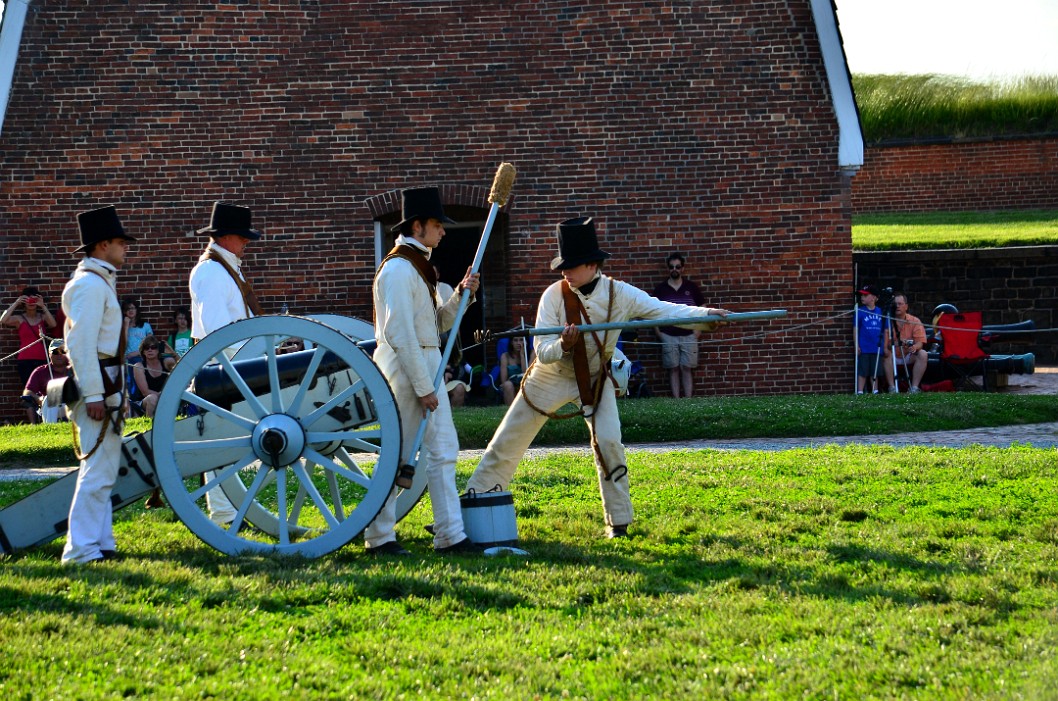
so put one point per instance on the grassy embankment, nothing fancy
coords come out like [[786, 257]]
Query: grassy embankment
[[895, 108]]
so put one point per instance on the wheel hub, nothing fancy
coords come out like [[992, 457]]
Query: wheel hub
[[278, 440]]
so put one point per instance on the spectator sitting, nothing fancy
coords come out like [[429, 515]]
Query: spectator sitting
[[151, 373], [37, 386], [909, 344], [513, 363], [31, 323], [136, 329], [180, 341]]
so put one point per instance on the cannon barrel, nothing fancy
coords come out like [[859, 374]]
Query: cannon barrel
[[1019, 332], [213, 384]]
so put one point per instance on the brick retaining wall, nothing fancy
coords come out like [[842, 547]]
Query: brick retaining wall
[[958, 176]]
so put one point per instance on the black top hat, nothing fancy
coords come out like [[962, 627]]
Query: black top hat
[[100, 225], [419, 203], [577, 244], [230, 219]]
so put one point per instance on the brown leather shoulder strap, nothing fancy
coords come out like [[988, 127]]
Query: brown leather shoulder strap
[[249, 299], [421, 263], [117, 385], [575, 313]]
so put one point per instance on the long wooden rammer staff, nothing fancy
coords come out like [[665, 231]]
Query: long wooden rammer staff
[[501, 191], [484, 336]]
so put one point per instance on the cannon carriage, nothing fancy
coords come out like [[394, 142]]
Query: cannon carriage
[[306, 445]]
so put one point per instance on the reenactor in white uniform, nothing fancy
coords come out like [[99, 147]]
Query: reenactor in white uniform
[[574, 367], [95, 344], [220, 295], [409, 316]]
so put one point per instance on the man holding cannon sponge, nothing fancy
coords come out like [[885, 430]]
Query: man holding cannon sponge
[[409, 314], [573, 367]]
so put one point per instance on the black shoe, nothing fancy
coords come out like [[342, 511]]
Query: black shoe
[[428, 528], [463, 547], [390, 548], [110, 554], [617, 532]]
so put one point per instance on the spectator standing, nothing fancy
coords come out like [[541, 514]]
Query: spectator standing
[[679, 346], [37, 386], [95, 341], [869, 323], [30, 316]]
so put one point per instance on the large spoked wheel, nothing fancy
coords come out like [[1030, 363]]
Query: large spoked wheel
[[304, 444], [360, 330]]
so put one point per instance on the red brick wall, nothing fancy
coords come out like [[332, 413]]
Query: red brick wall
[[981, 175], [704, 127]]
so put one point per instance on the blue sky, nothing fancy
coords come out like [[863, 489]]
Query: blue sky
[[981, 39]]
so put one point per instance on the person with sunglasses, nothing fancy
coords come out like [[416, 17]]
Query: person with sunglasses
[[679, 346], [151, 373], [37, 385]]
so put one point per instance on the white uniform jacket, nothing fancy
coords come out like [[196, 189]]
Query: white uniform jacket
[[93, 325], [407, 321], [216, 300]]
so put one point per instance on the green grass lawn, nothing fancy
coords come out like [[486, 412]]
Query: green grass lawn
[[851, 573], [926, 230]]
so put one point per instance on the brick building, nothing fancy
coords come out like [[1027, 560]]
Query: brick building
[[722, 129]]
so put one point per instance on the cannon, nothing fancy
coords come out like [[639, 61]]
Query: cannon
[[305, 445]]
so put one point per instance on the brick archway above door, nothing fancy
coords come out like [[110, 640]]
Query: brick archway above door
[[451, 195]]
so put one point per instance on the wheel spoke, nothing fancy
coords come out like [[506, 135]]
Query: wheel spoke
[[281, 507], [248, 500], [221, 476], [326, 463], [314, 494], [244, 389], [355, 435], [306, 381], [349, 460], [273, 374], [331, 403], [336, 495], [212, 408], [211, 444]]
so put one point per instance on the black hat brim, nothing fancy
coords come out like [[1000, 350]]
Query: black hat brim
[[443, 219], [85, 247], [560, 263], [252, 234]]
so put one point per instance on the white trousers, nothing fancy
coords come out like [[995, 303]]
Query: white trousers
[[90, 528], [550, 387], [438, 455]]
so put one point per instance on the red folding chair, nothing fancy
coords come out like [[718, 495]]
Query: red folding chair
[[960, 352]]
